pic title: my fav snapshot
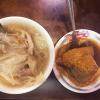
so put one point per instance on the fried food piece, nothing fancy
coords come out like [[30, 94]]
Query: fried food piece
[[80, 63]]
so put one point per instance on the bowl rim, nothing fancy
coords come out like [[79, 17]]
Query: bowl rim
[[56, 72], [51, 53]]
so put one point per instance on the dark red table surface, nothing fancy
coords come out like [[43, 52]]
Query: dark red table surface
[[53, 16]]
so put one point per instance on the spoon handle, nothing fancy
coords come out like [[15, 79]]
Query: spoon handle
[[71, 13], [74, 42]]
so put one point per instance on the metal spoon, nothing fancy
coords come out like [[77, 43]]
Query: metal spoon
[[74, 42]]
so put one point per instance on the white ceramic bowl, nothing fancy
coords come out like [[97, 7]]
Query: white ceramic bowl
[[8, 20], [64, 80]]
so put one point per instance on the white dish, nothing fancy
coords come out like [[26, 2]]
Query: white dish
[[8, 20], [64, 80]]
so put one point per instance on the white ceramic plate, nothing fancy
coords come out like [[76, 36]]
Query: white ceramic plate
[[14, 19], [64, 80]]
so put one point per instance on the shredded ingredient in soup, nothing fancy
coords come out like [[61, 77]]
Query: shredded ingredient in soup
[[24, 55]]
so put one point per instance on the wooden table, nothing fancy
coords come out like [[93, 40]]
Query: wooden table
[[53, 16]]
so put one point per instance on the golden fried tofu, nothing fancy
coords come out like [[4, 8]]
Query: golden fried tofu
[[80, 63]]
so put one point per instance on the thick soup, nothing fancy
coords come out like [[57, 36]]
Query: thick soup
[[80, 64], [24, 55]]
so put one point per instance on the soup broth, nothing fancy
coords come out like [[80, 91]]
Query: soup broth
[[24, 55], [66, 72]]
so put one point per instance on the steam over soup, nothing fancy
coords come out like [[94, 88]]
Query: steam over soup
[[24, 55]]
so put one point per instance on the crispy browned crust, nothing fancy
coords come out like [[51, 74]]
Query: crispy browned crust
[[80, 64], [65, 73]]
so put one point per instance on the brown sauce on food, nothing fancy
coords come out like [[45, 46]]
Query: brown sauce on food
[[80, 64]]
